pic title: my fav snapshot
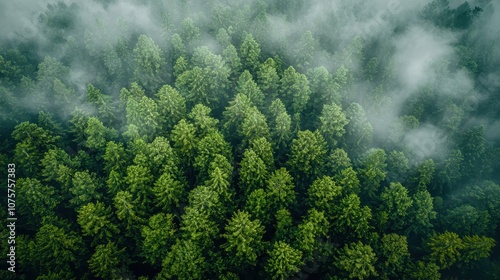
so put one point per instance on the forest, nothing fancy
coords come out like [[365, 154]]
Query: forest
[[281, 139]]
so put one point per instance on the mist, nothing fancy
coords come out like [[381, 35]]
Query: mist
[[395, 91]]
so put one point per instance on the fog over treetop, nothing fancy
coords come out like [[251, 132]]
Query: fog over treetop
[[325, 127]]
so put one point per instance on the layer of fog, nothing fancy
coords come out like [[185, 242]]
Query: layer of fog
[[419, 48]]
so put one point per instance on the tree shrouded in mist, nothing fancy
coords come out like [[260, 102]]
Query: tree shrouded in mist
[[251, 139]]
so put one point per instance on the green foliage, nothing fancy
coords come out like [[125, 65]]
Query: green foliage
[[85, 189], [149, 62], [337, 161], [394, 254], [314, 227], [184, 138], [189, 30], [244, 239], [357, 260], [143, 113], [103, 103], [126, 210], [258, 205], [323, 194], [49, 70], [466, 219], [281, 189], [95, 220], [204, 123], [352, 219], [280, 124], [139, 180], [206, 81], [250, 53], [251, 140], [56, 249], [253, 172], [396, 203], [358, 131], [158, 236], [207, 149], [267, 76], [114, 157], [294, 90], [97, 135], [397, 166], [283, 261], [373, 171], [333, 120], [168, 192], [476, 247], [36, 200], [171, 107], [262, 147], [424, 271], [349, 181], [106, 260], [32, 142], [197, 224], [445, 248], [422, 212], [308, 155], [254, 126], [425, 173], [184, 261]]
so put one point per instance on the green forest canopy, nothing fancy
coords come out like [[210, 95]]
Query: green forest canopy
[[253, 140]]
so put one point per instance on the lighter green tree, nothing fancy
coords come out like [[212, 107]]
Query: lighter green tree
[[284, 261], [250, 53], [310, 232], [373, 171], [158, 236], [168, 192], [253, 172], [308, 155], [254, 126], [243, 239], [294, 90], [184, 261], [445, 248], [280, 189], [394, 255], [149, 63], [171, 107], [323, 194], [127, 210], [357, 260], [95, 220], [333, 121], [85, 189], [107, 261], [396, 203]]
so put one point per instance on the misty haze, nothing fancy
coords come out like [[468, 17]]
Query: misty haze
[[190, 139]]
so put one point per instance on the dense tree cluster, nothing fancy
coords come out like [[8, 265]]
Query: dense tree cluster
[[238, 158]]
